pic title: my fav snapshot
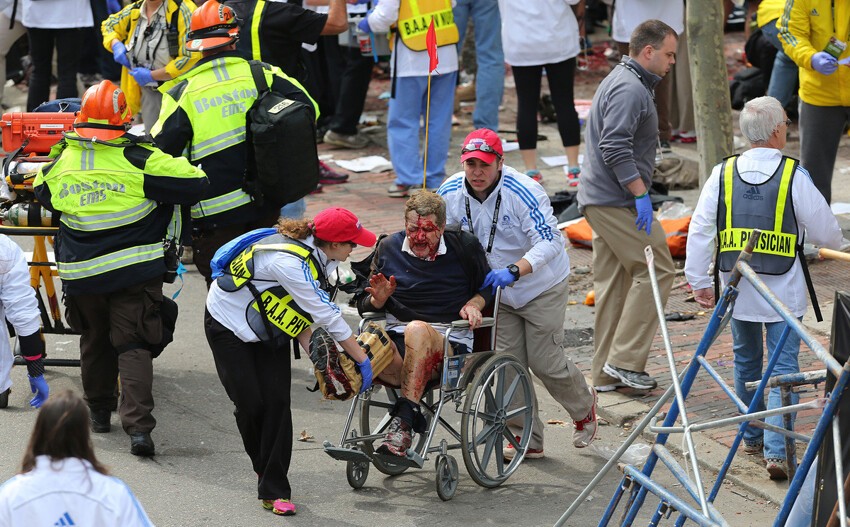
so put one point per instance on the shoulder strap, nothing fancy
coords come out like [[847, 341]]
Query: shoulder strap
[[258, 72], [173, 26]]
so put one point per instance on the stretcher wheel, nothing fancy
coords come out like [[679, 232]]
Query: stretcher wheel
[[356, 473], [447, 477], [500, 393], [375, 419]]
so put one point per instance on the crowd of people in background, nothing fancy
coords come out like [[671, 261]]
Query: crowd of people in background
[[167, 55]]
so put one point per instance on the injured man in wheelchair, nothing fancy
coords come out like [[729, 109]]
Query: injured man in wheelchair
[[423, 278]]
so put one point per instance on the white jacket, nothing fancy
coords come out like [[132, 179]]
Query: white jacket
[[813, 218], [57, 14], [272, 268], [17, 303], [69, 492], [526, 228]]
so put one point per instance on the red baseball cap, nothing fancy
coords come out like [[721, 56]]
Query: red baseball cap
[[483, 144], [340, 225]]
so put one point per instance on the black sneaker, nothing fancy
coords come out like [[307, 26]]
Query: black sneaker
[[4, 398], [639, 380]]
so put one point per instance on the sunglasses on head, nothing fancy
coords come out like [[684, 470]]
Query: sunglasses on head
[[479, 147]]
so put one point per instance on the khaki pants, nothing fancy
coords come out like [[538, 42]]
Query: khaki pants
[[625, 314], [534, 334], [116, 331]]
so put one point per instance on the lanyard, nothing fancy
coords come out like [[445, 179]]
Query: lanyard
[[638, 75], [492, 226]]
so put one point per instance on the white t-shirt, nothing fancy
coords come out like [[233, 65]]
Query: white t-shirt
[[57, 14], [629, 14], [538, 32]]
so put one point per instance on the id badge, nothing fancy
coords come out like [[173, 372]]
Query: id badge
[[835, 47]]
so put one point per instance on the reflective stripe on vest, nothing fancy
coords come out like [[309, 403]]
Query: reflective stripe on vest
[[414, 16], [99, 222], [109, 262], [278, 310], [255, 29], [768, 207], [217, 143], [219, 204]]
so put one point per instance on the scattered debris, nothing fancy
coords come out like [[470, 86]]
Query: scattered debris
[[305, 436], [556, 422]]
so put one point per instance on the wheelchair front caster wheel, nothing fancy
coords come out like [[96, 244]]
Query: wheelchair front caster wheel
[[356, 473], [447, 477]]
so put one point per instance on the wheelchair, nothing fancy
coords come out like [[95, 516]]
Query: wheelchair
[[487, 388]]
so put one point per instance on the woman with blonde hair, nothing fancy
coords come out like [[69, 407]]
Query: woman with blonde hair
[[61, 481]]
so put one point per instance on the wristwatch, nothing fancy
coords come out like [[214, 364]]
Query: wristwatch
[[514, 270]]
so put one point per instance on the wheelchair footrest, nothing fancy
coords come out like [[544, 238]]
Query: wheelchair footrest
[[345, 454], [412, 460]]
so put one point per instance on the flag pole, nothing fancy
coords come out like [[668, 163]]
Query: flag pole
[[433, 60], [427, 122]]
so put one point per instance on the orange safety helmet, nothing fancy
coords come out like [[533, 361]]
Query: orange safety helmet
[[213, 26], [104, 112]]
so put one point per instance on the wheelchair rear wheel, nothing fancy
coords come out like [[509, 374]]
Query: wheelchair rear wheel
[[501, 393], [375, 419]]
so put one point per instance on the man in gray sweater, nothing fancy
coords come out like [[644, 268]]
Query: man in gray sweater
[[621, 139]]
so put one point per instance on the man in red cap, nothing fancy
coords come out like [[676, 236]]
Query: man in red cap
[[511, 216]]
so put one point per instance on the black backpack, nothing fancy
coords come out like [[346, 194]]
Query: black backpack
[[283, 162]]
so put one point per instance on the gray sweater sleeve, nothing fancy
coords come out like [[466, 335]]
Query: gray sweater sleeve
[[624, 111]]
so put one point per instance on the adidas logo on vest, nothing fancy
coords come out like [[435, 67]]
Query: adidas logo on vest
[[65, 519], [753, 194]]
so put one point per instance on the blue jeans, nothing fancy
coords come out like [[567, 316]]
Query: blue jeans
[[783, 79], [294, 210], [490, 79], [747, 344], [403, 130]]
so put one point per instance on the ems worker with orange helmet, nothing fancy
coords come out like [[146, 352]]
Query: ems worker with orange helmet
[[117, 197], [203, 113]]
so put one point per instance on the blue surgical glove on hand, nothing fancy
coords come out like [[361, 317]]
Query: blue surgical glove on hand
[[39, 387], [143, 76], [113, 6], [498, 278], [824, 63], [644, 213], [363, 25], [119, 53], [366, 373]]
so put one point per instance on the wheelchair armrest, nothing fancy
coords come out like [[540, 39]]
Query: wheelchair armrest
[[370, 316], [486, 322]]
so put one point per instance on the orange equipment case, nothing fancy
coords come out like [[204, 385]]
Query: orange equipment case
[[36, 132]]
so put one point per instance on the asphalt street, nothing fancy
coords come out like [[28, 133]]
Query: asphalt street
[[201, 475]]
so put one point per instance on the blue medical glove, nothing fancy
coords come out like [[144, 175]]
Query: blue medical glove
[[363, 25], [498, 278], [824, 63], [358, 2], [119, 53], [39, 387], [366, 373], [644, 213], [143, 76], [113, 6]]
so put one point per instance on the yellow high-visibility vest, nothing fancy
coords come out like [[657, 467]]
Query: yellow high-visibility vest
[[414, 17]]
